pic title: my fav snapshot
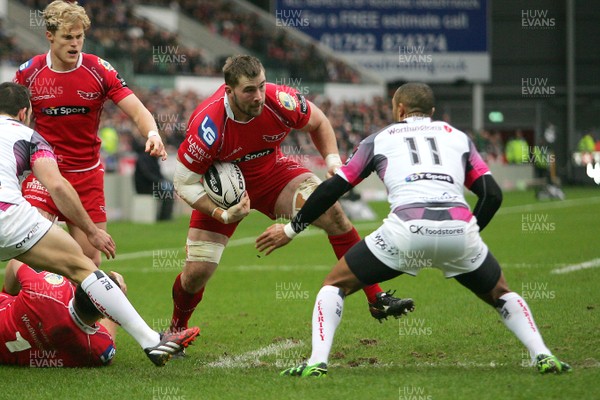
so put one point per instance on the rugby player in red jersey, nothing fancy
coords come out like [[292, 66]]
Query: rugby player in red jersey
[[244, 122], [47, 321], [27, 236], [68, 90]]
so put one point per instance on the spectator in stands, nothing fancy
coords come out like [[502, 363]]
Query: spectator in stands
[[517, 149], [495, 149], [148, 179], [586, 143]]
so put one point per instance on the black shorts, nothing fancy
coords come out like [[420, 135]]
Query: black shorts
[[483, 279], [367, 268]]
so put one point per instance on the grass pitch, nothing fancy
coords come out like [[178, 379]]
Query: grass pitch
[[255, 319]]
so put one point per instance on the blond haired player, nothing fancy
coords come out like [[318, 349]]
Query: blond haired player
[[68, 90]]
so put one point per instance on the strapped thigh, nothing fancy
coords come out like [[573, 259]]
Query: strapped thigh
[[204, 251], [302, 193]]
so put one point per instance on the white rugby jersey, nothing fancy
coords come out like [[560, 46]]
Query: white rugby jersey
[[420, 162], [20, 147]]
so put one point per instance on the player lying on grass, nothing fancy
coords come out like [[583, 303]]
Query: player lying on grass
[[47, 321], [424, 165], [27, 236]]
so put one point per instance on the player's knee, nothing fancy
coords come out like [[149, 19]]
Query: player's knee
[[79, 267], [335, 221], [497, 291], [345, 286], [97, 260], [202, 260], [194, 277], [303, 192], [347, 282]]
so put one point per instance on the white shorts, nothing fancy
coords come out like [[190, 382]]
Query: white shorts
[[21, 227], [453, 246]]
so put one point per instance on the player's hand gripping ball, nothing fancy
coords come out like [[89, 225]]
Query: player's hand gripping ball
[[224, 184]]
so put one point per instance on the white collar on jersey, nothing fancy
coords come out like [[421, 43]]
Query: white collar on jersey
[[416, 119], [49, 63], [90, 330], [229, 111]]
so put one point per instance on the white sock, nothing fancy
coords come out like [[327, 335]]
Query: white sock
[[517, 317], [327, 315], [110, 301]]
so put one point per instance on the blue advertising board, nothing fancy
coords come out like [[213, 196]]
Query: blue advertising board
[[432, 40]]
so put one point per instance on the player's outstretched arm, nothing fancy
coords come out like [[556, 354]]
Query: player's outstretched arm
[[67, 201], [325, 196], [143, 119]]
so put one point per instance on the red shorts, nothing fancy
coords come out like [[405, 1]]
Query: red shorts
[[88, 184], [263, 192]]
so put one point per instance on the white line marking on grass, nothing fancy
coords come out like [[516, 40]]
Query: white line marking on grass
[[252, 358], [238, 268], [595, 263], [363, 226], [549, 205], [232, 243], [142, 254], [461, 364], [523, 265]]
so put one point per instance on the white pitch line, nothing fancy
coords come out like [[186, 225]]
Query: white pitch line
[[363, 226], [368, 225], [595, 263], [549, 205], [232, 243], [252, 358], [258, 267]]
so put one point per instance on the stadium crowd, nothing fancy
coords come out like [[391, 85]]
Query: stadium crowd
[[273, 46], [171, 109], [10, 52], [118, 34], [352, 122]]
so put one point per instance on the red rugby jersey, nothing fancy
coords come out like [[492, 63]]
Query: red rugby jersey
[[213, 134], [67, 105], [36, 328]]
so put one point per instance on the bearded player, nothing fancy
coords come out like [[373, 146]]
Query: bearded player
[[244, 122]]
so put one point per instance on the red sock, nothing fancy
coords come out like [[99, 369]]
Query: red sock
[[184, 304], [341, 244], [371, 291]]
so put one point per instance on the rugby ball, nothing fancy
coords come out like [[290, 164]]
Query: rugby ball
[[224, 184]]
